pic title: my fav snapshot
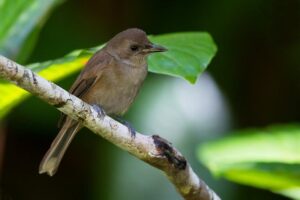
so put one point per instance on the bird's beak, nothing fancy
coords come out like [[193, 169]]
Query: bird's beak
[[151, 48]]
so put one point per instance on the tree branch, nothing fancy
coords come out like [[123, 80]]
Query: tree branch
[[154, 150]]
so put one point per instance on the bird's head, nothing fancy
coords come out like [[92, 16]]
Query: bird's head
[[132, 46]]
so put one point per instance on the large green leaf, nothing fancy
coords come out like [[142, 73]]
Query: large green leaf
[[188, 55], [268, 158], [20, 22]]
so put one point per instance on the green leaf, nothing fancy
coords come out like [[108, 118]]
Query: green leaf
[[20, 23], [268, 158], [188, 56]]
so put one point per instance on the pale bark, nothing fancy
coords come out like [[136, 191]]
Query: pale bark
[[154, 150]]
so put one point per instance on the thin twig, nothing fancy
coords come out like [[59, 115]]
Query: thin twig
[[154, 150]]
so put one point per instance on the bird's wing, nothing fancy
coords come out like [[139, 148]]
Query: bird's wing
[[91, 73]]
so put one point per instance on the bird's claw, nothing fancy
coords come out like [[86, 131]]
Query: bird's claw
[[130, 129], [129, 126], [101, 113]]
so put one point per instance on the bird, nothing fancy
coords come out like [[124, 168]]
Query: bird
[[109, 82]]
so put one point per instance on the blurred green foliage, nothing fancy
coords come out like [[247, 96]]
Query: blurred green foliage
[[266, 158], [20, 24]]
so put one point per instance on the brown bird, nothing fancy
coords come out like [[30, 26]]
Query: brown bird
[[110, 81]]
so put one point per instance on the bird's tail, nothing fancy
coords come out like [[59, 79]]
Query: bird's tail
[[52, 158]]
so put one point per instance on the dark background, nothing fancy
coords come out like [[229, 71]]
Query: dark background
[[257, 69]]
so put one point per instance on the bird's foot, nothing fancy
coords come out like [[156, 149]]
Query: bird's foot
[[99, 110], [130, 129], [129, 126]]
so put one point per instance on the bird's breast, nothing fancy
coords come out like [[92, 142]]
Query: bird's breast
[[117, 88]]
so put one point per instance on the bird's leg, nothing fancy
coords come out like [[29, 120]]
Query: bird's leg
[[99, 110], [130, 129], [126, 123]]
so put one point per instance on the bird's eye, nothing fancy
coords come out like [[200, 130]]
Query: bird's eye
[[134, 47]]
